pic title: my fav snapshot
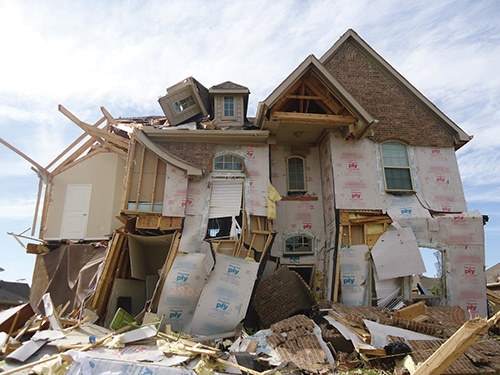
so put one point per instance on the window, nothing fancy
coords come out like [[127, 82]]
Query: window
[[296, 174], [228, 163], [298, 245], [184, 104], [228, 106], [396, 167]]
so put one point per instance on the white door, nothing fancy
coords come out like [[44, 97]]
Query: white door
[[76, 211]]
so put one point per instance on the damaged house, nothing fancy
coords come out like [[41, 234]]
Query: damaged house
[[344, 174]]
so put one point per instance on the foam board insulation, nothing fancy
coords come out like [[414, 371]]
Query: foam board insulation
[[181, 291], [353, 274], [192, 234], [175, 196], [355, 168], [224, 300], [439, 179], [396, 254], [325, 155], [197, 196]]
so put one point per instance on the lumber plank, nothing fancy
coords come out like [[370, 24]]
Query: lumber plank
[[456, 345], [412, 311]]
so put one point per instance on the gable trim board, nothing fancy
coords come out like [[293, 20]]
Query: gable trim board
[[460, 136]]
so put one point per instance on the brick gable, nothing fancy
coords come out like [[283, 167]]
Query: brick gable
[[401, 116]]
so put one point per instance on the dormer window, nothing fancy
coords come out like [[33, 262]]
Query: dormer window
[[296, 174], [229, 106], [231, 163], [184, 104], [397, 173]]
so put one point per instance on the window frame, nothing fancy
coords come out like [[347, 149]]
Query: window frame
[[228, 106], [234, 157], [386, 167], [301, 236], [183, 104], [294, 190]]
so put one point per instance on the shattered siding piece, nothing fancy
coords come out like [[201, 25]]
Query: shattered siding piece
[[353, 274], [379, 333], [439, 180], [396, 254], [176, 192], [181, 291], [224, 300]]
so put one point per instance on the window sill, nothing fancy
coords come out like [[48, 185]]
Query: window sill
[[305, 198]]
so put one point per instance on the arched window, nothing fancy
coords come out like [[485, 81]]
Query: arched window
[[298, 245], [296, 175], [397, 173], [228, 163]]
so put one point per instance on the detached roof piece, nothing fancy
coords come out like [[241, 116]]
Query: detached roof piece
[[13, 293], [460, 136]]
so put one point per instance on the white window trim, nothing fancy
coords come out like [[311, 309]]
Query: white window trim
[[409, 168], [308, 235], [303, 173]]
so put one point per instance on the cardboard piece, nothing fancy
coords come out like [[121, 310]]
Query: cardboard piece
[[224, 300]]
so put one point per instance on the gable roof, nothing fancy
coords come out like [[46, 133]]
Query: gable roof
[[228, 87], [460, 136], [359, 120]]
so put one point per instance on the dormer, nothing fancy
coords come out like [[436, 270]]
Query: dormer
[[229, 103], [185, 101]]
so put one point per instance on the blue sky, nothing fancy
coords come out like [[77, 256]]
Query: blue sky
[[123, 54]]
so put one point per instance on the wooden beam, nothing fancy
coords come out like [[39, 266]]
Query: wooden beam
[[98, 134], [72, 145], [315, 118], [40, 169], [456, 345], [412, 311]]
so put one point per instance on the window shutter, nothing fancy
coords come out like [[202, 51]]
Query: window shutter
[[226, 198]]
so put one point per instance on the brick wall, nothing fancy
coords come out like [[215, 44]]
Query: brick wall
[[400, 115], [198, 154]]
